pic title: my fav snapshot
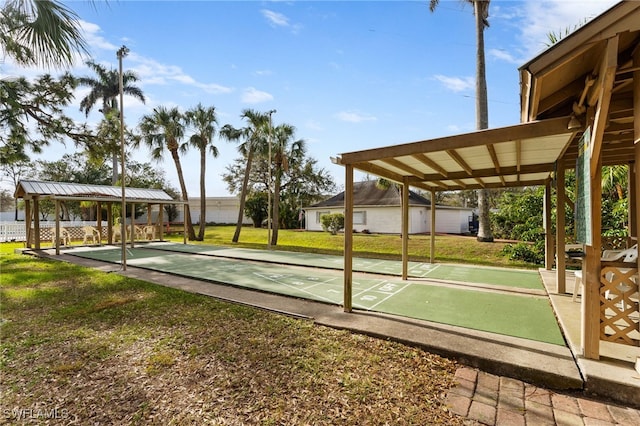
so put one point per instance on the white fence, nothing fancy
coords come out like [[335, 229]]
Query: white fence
[[15, 231]]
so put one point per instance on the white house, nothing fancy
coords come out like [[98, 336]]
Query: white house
[[378, 210], [220, 210]]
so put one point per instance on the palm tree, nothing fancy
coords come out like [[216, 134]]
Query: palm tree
[[481, 13], [284, 150], [254, 139], [204, 121], [615, 181], [106, 88], [163, 130], [40, 33]]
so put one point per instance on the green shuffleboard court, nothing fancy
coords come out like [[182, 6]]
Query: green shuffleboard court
[[519, 315], [517, 278]]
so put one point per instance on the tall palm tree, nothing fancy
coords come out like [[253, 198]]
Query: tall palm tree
[[40, 33], [204, 121], [285, 149], [162, 130], [481, 13], [254, 139], [106, 88]]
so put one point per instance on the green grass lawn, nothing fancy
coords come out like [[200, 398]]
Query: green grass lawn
[[449, 248], [92, 347]]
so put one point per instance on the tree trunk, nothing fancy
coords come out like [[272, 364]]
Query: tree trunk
[[188, 226], [275, 220], [203, 194], [114, 165], [482, 115], [243, 196]]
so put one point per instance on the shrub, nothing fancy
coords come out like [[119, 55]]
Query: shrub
[[332, 222], [531, 253]]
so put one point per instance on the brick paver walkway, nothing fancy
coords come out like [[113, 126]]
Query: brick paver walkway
[[495, 400]]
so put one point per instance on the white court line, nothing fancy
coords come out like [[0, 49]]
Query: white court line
[[370, 288], [369, 265], [317, 283], [390, 295], [426, 274], [293, 287]]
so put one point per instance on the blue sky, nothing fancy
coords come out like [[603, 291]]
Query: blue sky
[[349, 75]]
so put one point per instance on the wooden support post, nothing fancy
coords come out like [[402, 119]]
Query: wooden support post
[[36, 222], [99, 221], [57, 228], [591, 274], [549, 249], [133, 225], [632, 188], [405, 228], [161, 221], [348, 238], [109, 223], [561, 275], [634, 202], [27, 221], [432, 253]]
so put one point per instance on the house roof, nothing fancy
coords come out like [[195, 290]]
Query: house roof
[[528, 153], [368, 194], [28, 189]]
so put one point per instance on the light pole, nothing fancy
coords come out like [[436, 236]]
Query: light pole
[[269, 184], [121, 53]]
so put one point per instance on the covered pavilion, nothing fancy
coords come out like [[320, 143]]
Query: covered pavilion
[[33, 192], [580, 108]]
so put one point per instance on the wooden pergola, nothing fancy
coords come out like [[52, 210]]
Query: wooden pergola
[[588, 84], [33, 192]]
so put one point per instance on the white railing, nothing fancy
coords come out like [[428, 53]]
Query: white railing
[[15, 231]]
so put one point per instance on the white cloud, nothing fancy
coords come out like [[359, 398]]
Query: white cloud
[[275, 19], [251, 95], [354, 117], [279, 20], [152, 72], [505, 56], [456, 84], [92, 34], [543, 17]]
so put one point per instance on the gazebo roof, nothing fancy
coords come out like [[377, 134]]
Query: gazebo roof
[[29, 189], [592, 67]]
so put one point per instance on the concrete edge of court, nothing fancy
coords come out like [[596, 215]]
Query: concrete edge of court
[[538, 363]]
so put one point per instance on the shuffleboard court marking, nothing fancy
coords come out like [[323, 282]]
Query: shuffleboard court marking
[[395, 293], [315, 282], [367, 290], [529, 317], [270, 277], [423, 269], [512, 278]]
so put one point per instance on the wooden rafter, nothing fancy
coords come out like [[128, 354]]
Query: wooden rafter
[[402, 166], [430, 163], [605, 83], [494, 158], [458, 159]]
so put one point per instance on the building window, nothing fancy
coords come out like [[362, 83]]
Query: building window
[[319, 215], [360, 218]]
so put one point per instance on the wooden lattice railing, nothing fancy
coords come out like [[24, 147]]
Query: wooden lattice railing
[[619, 314]]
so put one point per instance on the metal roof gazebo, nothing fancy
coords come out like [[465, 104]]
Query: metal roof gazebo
[[33, 192]]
